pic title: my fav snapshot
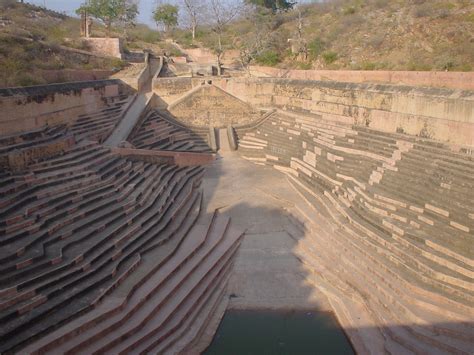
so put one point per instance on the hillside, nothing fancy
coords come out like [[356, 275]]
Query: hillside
[[358, 34], [35, 43]]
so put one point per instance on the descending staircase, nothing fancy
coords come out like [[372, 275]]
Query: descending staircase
[[86, 236], [388, 221], [185, 284], [158, 132], [99, 125]]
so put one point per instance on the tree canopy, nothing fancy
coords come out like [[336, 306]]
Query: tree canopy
[[274, 5], [167, 15], [111, 11]]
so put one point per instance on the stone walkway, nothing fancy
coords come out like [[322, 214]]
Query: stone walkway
[[267, 273], [129, 121]]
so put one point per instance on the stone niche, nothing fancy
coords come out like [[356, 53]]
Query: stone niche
[[111, 47], [207, 105]]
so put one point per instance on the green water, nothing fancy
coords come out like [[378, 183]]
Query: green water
[[279, 332]]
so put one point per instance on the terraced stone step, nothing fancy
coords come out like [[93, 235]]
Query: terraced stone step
[[97, 267], [348, 247]]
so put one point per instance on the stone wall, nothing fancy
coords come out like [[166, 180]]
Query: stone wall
[[111, 47], [441, 114], [66, 75], [453, 80], [208, 105], [20, 159], [166, 157], [204, 55], [28, 108], [389, 224]]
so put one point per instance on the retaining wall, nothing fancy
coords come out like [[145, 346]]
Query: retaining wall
[[453, 80], [111, 47], [204, 55], [442, 114], [67, 75], [167, 157], [24, 109]]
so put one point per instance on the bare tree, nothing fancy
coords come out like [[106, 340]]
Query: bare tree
[[222, 12], [193, 9]]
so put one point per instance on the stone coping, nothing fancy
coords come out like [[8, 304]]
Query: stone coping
[[57, 88]]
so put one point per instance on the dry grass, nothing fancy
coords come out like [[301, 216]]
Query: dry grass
[[369, 34]]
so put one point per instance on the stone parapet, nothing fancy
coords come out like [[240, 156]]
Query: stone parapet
[[168, 157], [29, 108], [453, 80], [436, 113]]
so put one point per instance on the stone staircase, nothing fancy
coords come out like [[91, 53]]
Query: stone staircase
[[391, 226], [157, 132], [99, 125], [84, 228]]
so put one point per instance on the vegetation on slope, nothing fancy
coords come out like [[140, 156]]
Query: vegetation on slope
[[33, 40], [353, 34]]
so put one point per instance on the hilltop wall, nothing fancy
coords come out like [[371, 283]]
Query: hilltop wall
[[442, 114], [452, 80], [32, 107], [111, 47]]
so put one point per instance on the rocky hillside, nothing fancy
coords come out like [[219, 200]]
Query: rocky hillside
[[360, 34], [37, 46]]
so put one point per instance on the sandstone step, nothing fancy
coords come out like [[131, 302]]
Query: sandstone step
[[344, 247], [153, 284], [428, 297], [177, 288], [162, 326], [74, 281], [195, 326], [152, 260]]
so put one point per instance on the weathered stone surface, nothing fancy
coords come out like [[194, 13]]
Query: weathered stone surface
[[25, 109], [209, 105], [442, 114], [105, 46]]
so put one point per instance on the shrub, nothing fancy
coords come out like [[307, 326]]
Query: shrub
[[350, 10], [464, 67], [304, 65], [414, 65], [143, 33], [269, 57], [26, 79], [368, 66], [315, 48], [470, 17], [329, 57]]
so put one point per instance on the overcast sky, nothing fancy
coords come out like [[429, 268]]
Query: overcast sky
[[69, 7]]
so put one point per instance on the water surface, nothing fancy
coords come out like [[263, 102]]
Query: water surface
[[260, 332]]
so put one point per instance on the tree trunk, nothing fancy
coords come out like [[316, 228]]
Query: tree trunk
[[194, 31], [108, 26], [219, 54], [219, 68]]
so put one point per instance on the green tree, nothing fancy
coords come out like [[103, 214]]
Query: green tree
[[111, 11], [274, 5], [167, 15]]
